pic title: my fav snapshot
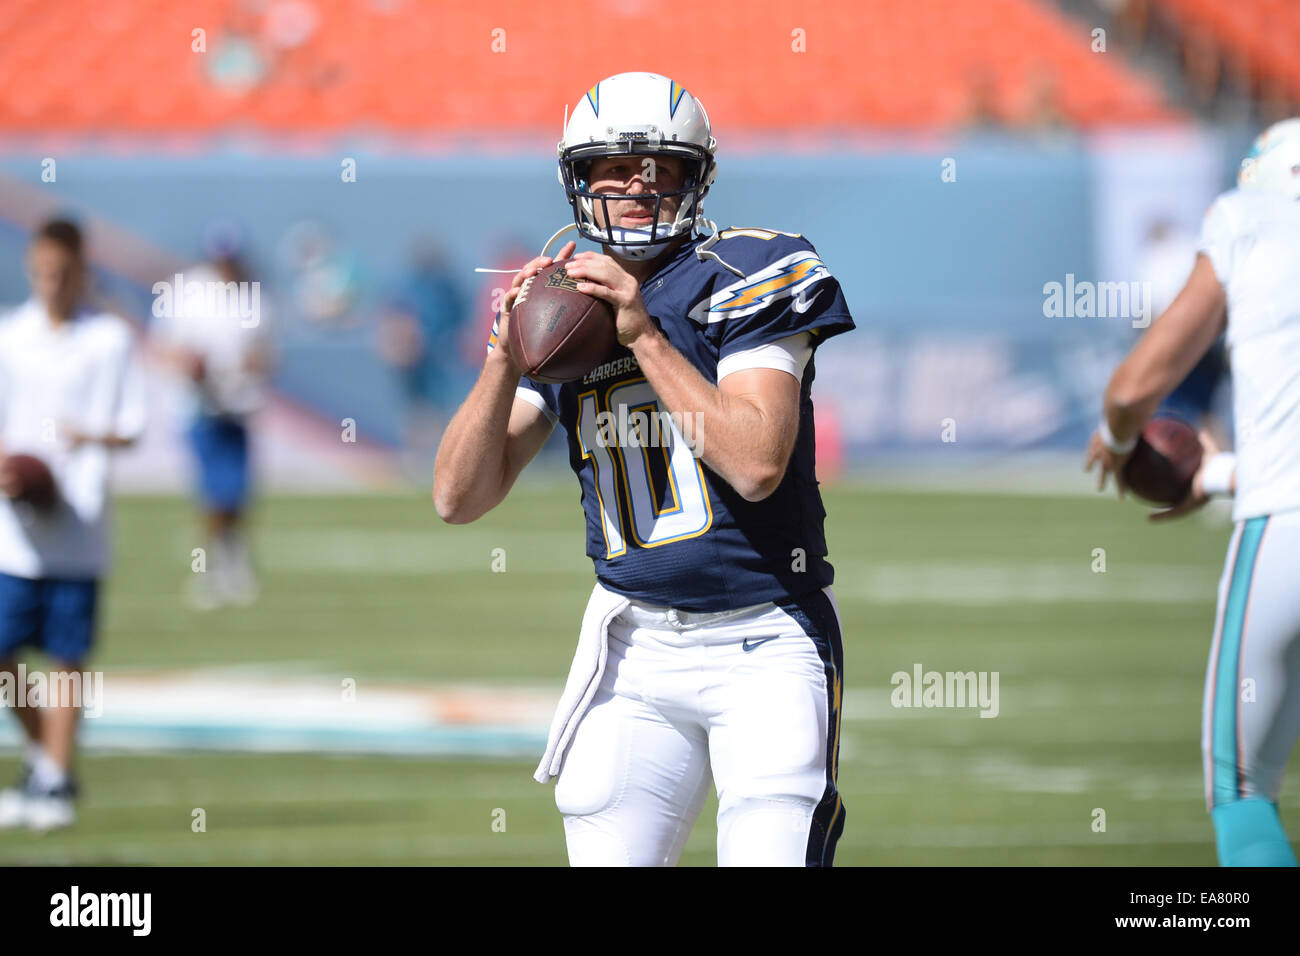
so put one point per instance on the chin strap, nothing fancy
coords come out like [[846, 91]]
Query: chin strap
[[572, 225]]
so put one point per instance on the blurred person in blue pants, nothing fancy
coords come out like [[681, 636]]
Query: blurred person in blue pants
[[214, 331]]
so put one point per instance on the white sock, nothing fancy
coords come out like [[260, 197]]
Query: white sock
[[46, 774], [220, 550], [236, 554], [32, 753], [237, 577]]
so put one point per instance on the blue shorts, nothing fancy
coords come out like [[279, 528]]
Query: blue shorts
[[221, 451], [54, 614]]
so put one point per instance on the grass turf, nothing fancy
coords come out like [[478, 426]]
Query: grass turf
[[1100, 678]]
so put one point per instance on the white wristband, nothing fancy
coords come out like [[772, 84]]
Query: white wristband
[[1217, 474], [1108, 439]]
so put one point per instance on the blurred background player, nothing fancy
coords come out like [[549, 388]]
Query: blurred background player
[[68, 394], [1244, 282], [216, 334]]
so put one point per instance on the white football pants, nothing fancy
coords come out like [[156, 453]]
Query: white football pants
[[749, 698], [1251, 713]]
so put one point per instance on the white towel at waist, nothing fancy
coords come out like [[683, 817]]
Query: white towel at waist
[[584, 678]]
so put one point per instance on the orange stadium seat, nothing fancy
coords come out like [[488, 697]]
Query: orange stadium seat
[[1260, 37], [105, 65]]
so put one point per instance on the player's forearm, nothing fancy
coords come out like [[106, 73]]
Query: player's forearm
[[1167, 353], [1127, 413], [471, 463], [1143, 380], [730, 434], [75, 437], [111, 441], [1137, 388]]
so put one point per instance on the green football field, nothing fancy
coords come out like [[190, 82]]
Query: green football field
[[1099, 673]]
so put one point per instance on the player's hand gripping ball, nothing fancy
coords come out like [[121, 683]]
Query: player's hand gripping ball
[[558, 334], [28, 479], [1166, 459]]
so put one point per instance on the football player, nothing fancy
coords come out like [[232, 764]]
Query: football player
[[220, 343], [710, 649], [1243, 282], [69, 393]]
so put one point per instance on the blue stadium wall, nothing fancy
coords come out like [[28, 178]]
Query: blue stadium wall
[[944, 273]]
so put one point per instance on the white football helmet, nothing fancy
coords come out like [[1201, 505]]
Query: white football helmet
[[637, 114], [1274, 161]]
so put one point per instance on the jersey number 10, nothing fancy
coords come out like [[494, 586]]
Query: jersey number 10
[[666, 503]]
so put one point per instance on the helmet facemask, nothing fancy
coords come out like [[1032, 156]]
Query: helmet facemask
[[643, 242]]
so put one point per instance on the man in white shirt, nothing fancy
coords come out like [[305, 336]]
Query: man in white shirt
[[211, 325], [69, 393], [1243, 284]]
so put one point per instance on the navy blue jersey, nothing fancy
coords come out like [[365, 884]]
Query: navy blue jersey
[[663, 527]]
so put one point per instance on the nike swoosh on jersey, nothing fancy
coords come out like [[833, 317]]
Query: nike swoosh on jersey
[[747, 645], [802, 303]]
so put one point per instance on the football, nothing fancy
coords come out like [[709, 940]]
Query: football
[[557, 333], [1165, 461], [36, 482]]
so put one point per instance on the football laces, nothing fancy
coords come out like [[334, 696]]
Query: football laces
[[523, 290]]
